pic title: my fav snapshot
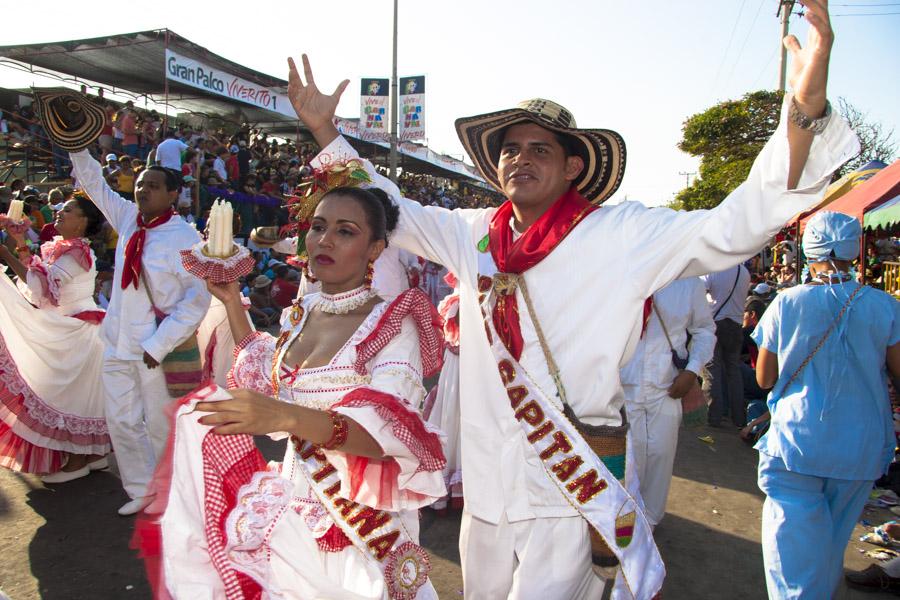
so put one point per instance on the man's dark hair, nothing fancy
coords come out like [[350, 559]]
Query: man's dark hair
[[173, 177], [569, 144], [754, 305]]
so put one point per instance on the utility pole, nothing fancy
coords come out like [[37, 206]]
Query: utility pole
[[687, 177], [784, 11], [394, 105]]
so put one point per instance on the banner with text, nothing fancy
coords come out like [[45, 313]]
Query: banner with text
[[373, 109], [215, 81], [412, 108]]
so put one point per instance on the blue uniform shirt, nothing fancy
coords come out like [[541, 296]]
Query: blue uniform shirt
[[834, 420]]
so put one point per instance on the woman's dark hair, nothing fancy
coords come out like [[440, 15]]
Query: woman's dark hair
[[381, 213], [173, 177], [93, 214]]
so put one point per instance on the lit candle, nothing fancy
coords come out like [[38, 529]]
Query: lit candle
[[211, 228], [220, 230], [15, 211]]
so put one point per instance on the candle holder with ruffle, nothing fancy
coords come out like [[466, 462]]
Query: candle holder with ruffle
[[14, 226], [200, 263]]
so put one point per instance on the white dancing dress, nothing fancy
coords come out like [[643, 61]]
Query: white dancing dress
[[233, 527], [51, 355], [442, 409]]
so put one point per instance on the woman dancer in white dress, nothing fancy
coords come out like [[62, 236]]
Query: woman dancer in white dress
[[443, 412], [344, 381], [51, 399]]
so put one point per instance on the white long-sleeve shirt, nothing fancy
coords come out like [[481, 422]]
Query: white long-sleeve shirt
[[683, 309], [728, 292], [588, 294], [129, 328]]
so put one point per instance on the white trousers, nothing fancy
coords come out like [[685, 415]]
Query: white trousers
[[654, 436], [538, 559], [135, 400]]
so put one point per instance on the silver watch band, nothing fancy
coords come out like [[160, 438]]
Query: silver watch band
[[807, 123]]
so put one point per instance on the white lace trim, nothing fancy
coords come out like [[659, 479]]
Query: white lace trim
[[39, 410]]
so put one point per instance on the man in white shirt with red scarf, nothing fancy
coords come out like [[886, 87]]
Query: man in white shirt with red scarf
[[544, 334], [148, 277]]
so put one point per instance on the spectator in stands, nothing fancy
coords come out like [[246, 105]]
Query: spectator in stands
[[168, 153], [125, 178], [130, 133], [233, 168], [111, 166], [263, 311], [106, 134], [219, 164]]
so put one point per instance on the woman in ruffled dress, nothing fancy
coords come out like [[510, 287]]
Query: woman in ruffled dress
[[51, 399], [338, 519], [442, 404]]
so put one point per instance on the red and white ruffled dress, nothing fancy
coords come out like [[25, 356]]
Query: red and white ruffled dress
[[233, 527], [51, 358], [442, 405]]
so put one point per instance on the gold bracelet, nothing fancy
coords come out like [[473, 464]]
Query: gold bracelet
[[339, 430]]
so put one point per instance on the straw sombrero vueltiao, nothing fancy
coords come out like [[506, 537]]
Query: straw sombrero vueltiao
[[602, 150], [70, 120]]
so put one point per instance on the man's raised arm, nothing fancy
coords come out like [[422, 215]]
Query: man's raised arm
[[429, 231], [89, 177]]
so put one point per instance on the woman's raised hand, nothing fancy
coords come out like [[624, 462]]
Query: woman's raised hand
[[226, 292], [314, 108]]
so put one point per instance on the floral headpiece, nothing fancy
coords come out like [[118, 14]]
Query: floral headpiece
[[302, 205]]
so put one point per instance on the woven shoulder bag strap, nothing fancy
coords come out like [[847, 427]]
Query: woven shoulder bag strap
[[551, 364], [663, 323], [822, 341]]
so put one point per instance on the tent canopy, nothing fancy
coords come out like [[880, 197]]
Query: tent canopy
[[137, 63], [887, 215], [883, 186]]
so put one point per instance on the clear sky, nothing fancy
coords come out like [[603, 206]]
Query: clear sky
[[640, 68]]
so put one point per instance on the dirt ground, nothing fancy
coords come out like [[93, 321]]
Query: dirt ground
[[66, 542]]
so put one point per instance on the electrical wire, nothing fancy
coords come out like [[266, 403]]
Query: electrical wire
[[728, 47], [734, 63]]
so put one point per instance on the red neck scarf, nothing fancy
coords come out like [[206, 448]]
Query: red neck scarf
[[135, 248], [538, 241]]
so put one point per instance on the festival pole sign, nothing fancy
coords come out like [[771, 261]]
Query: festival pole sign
[[412, 108], [215, 81], [373, 109]]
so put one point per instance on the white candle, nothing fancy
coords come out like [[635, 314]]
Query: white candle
[[220, 230], [212, 243], [228, 235], [15, 211]]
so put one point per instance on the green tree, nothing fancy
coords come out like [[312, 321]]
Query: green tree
[[728, 136]]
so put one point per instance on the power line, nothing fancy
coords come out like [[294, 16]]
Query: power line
[[867, 14], [728, 47], [855, 5], [744, 44]]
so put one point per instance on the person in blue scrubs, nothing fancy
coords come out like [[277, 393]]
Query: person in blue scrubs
[[831, 434]]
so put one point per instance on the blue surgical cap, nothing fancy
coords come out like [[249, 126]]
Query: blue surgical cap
[[831, 235]]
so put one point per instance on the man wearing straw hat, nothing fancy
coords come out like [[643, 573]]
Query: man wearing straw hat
[[156, 305], [543, 336]]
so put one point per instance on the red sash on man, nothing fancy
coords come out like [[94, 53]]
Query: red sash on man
[[532, 246], [135, 248]]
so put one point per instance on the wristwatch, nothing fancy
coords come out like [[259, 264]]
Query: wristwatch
[[807, 123]]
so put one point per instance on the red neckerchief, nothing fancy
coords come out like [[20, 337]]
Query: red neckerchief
[[648, 309], [135, 248], [538, 241]]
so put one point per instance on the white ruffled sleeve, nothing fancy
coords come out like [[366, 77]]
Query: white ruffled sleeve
[[252, 367], [44, 280], [409, 476]]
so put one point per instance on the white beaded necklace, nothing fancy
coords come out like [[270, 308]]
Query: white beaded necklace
[[345, 302]]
